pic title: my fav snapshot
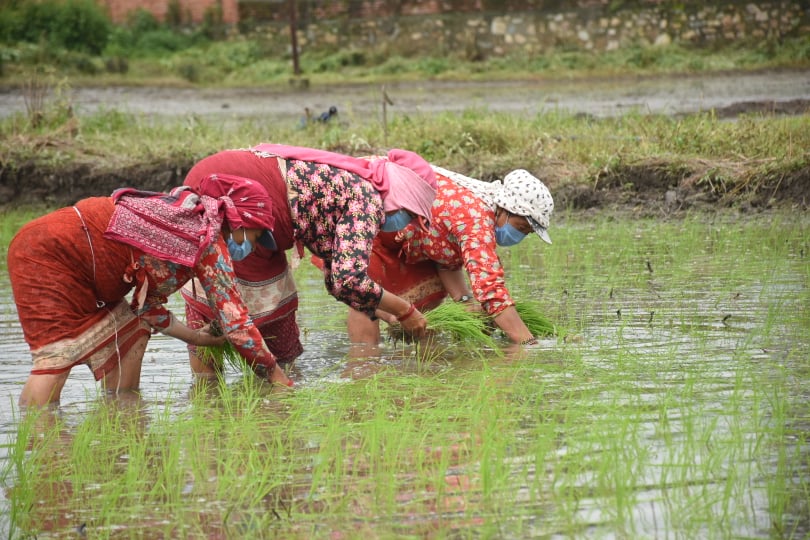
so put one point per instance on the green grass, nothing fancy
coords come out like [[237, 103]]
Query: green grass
[[248, 60]]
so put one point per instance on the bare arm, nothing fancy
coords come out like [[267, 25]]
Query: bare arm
[[455, 283], [201, 337], [513, 326]]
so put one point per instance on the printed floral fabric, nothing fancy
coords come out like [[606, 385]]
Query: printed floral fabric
[[215, 275], [462, 234], [337, 214]]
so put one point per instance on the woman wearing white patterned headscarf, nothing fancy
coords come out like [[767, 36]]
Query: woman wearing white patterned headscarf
[[457, 254]]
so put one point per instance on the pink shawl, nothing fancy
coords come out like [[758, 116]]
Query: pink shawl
[[378, 172]]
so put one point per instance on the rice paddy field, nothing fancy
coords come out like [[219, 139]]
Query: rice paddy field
[[673, 403]]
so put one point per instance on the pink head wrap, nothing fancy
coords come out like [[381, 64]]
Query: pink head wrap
[[246, 202], [410, 180], [404, 180], [416, 163]]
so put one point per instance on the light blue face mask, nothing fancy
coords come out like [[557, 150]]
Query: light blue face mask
[[239, 251], [396, 221], [507, 235]]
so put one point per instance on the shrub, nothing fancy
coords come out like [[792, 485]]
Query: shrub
[[76, 25], [158, 42], [80, 25], [189, 71], [141, 21]]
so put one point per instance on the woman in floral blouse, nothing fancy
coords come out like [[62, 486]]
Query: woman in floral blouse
[[470, 218], [72, 269], [333, 205]]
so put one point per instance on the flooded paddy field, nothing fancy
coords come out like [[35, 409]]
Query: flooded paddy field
[[673, 404]]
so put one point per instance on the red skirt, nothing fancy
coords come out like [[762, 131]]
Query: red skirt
[[67, 284]]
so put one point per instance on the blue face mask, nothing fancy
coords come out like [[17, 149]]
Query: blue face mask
[[239, 251], [396, 221], [507, 235]]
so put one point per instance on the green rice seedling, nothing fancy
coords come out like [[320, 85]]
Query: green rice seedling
[[453, 318], [220, 355], [537, 323], [645, 428]]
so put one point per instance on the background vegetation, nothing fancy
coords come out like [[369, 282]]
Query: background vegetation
[[50, 155], [76, 39]]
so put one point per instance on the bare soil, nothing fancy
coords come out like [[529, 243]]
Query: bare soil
[[652, 188]]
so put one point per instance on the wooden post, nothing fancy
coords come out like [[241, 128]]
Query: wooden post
[[294, 39], [385, 102]]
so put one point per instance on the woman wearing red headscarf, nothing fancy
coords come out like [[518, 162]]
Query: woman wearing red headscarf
[[71, 270], [333, 205]]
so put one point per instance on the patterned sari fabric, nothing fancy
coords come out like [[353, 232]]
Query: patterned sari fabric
[[272, 305], [68, 289], [264, 277], [101, 347], [417, 282]]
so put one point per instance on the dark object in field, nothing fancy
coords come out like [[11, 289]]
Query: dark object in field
[[322, 118], [327, 115]]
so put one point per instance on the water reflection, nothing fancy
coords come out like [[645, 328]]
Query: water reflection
[[693, 359]]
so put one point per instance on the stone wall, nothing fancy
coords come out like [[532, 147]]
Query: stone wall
[[591, 26]]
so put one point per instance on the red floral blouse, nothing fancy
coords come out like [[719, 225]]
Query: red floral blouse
[[215, 272], [462, 234]]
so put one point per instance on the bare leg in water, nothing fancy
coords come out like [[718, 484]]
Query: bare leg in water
[[40, 390]]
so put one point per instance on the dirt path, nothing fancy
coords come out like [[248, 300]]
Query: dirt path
[[786, 92]]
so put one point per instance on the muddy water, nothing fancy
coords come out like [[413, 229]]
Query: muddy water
[[604, 97], [719, 308]]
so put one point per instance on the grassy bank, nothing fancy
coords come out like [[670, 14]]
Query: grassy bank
[[52, 156], [55, 157]]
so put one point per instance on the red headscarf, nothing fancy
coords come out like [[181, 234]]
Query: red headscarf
[[177, 226], [246, 202]]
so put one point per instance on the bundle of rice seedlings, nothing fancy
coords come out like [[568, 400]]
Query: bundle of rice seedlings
[[453, 318], [537, 323], [219, 355]]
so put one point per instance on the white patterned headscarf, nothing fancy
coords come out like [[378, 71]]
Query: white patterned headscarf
[[521, 193], [525, 195], [483, 190]]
